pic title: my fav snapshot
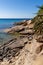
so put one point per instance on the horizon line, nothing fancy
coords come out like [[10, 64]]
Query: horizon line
[[15, 18]]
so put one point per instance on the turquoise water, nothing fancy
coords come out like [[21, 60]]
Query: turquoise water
[[6, 23], [4, 37]]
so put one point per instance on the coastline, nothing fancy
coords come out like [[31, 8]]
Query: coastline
[[22, 47], [21, 32]]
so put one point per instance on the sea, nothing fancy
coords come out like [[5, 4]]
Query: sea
[[7, 23]]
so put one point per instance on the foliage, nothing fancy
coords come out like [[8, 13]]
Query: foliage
[[38, 21]]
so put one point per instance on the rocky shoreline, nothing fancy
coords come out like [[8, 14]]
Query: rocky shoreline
[[24, 49], [24, 27]]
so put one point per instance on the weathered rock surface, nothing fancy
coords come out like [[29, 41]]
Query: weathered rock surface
[[40, 38], [27, 55], [9, 49], [24, 49], [29, 31], [24, 27], [16, 29]]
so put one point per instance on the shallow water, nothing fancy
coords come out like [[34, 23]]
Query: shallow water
[[4, 37], [6, 23]]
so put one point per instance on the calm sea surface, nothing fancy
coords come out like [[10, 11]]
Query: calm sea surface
[[6, 23]]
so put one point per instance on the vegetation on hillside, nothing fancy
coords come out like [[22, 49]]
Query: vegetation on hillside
[[38, 21]]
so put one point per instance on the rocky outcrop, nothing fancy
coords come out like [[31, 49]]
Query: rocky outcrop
[[12, 48], [24, 27], [26, 32], [16, 29], [29, 54], [24, 49]]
